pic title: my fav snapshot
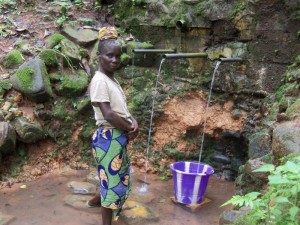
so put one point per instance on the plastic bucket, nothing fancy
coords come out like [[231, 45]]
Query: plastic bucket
[[190, 181]]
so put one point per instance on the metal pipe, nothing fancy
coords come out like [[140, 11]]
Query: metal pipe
[[230, 59], [137, 50], [185, 55]]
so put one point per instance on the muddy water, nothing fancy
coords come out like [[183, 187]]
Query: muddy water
[[41, 202]]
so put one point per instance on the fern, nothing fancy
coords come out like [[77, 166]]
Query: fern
[[240, 200]]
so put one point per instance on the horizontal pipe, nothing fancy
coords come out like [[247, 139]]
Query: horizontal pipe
[[153, 50], [185, 55], [230, 59]]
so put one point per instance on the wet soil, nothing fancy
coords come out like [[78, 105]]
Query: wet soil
[[41, 202]]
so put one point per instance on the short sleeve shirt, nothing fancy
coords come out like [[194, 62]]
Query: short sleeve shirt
[[104, 89]]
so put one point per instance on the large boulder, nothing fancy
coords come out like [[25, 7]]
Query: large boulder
[[32, 80], [259, 144], [254, 164], [72, 85], [286, 139], [7, 139], [28, 132], [70, 52], [82, 37]]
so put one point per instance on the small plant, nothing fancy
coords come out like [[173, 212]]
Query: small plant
[[280, 204], [63, 17]]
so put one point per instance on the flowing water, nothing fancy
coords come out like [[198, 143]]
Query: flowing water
[[206, 108], [144, 187]]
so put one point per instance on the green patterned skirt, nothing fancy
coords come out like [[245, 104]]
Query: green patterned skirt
[[113, 165]]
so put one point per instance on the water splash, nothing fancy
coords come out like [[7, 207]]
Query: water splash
[[206, 108]]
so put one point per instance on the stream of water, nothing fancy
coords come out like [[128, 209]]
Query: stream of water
[[144, 187], [206, 108]]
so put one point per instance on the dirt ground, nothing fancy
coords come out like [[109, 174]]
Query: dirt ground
[[42, 202]]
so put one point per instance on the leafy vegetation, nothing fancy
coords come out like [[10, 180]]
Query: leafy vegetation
[[280, 204]]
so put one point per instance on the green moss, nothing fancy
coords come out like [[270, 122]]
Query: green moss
[[54, 77], [12, 59], [24, 76], [73, 85], [273, 111], [239, 7], [84, 52], [5, 84], [294, 109], [55, 40], [49, 57], [46, 79], [125, 59], [144, 45]]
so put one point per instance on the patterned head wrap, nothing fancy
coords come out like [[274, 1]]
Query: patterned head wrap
[[107, 33]]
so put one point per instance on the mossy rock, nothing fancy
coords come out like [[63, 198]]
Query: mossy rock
[[73, 84], [12, 59], [293, 111], [54, 40], [25, 77], [84, 105], [49, 56], [32, 80], [70, 52], [94, 59], [288, 89]]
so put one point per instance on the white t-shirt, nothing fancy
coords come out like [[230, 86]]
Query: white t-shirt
[[103, 89]]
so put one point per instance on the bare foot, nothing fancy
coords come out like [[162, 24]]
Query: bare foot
[[95, 201]]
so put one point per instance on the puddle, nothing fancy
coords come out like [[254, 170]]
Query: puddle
[[42, 202]]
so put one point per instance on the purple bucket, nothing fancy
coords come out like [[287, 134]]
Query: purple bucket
[[190, 181]]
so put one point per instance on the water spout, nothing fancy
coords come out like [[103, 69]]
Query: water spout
[[230, 59], [140, 50], [185, 55]]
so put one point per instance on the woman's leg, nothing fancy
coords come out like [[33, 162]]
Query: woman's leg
[[106, 216]]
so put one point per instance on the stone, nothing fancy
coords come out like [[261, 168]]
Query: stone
[[5, 219], [253, 164], [73, 85], [32, 80], [82, 37], [84, 188], [79, 202], [7, 139], [219, 157], [28, 132], [92, 177], [2, 116], [259, 144], [229, 216], [137, 213], [70, 52], [286, 139]]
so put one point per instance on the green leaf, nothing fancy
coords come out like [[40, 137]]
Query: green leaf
[[253, 195], [265, 168], [294, 211], [278, 179], [281, 199], [292, 167]]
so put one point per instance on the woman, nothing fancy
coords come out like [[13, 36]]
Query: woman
[[115, 127]]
